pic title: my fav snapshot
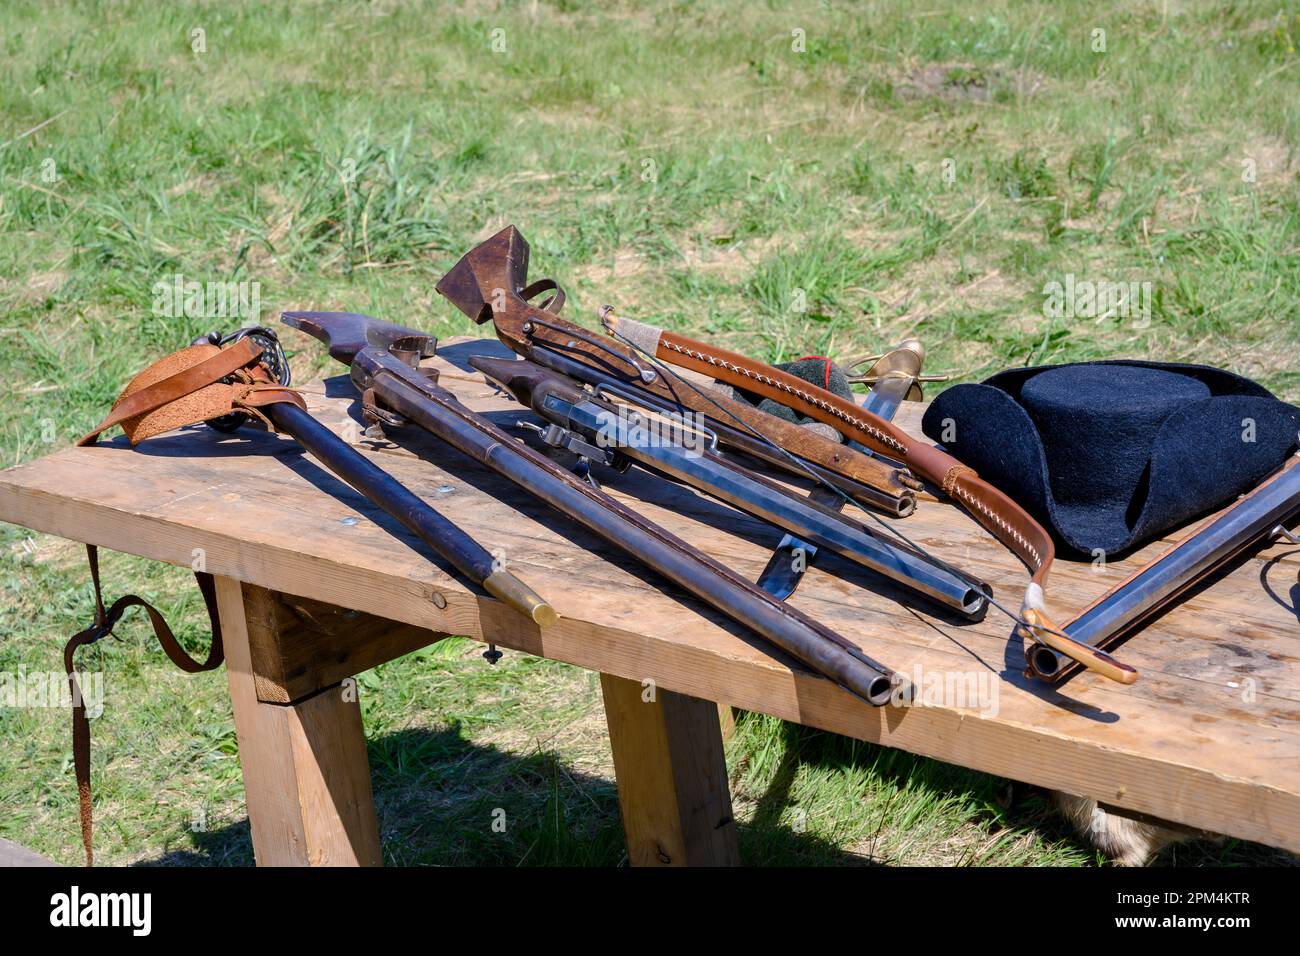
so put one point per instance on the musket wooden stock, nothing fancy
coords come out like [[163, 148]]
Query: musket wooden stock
[[490, 284]]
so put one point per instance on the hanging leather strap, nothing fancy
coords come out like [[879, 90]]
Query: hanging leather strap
[[105, 621], [195, 384]]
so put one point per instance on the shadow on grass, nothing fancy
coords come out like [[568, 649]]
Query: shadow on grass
[[1000, 803], [445, 801]]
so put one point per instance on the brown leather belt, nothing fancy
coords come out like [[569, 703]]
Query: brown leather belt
[[194, 385], [105, 621]]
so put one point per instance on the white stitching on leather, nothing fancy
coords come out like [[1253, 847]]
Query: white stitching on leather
[[821, 403], [997, 519], [958, 492]]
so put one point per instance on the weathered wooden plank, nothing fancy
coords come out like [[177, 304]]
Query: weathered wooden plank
[[299, 646], [306, 776], [14, 854]]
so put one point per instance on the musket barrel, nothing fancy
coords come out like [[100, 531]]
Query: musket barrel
[[1210, 546], [438, 411], [765, 499], [899, 504], [656, 443], [414, 513]]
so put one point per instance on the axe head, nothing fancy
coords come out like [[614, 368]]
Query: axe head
[[347, 333], [488, 276]]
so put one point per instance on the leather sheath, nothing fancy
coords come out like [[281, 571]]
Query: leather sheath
[[1005, 519]]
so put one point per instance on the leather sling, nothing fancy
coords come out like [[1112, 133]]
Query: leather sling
[[103, 626], [195, 384], [993, 509]]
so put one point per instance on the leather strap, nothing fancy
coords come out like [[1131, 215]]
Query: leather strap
[[105, 621], [554, 303], [195, 384], [500, 265], [990, 507]]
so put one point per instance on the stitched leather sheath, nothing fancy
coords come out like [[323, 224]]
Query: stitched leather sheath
[[1005, 519]]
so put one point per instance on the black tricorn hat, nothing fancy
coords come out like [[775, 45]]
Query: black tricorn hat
[[1110, 454]]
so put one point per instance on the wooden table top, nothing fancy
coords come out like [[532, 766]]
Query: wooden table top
[[1208, 736]]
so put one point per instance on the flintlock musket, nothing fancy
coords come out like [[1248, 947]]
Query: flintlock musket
[[384, 360], [597, 428], [1253, 518], [490, 284], [997, 512]]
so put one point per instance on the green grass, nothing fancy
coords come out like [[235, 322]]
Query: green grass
[[911, 172]]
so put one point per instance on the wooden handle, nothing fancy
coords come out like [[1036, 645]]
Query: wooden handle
[[1043, 631]]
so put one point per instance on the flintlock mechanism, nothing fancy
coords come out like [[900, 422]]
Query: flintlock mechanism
[[597, 426]]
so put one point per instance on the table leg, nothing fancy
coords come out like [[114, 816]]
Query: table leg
[[306, 775], [727, 721], [672, 777]]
